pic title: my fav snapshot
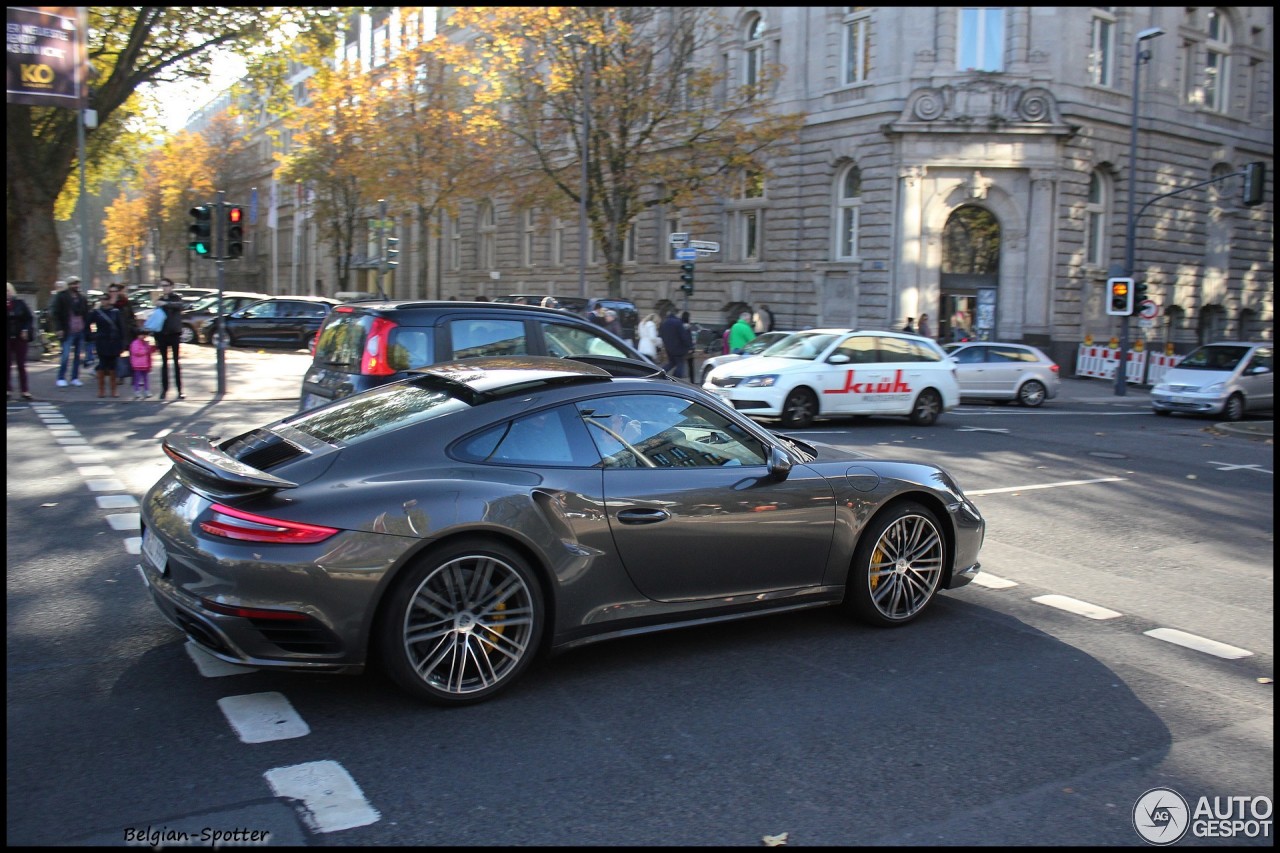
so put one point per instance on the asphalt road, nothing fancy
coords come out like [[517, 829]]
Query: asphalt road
[[1000, 718]]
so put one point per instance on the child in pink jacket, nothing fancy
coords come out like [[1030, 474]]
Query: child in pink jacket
[[140, 360]]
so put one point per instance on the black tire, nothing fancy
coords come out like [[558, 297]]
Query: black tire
[[1164, 413], [463, 623], [897, 566], [799, 409], [927, 408], [1233, 410], [1032, 393]]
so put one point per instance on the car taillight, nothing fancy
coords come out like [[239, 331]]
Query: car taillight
[[1054, 368], [253, 612], [374, 360], [249, 527]]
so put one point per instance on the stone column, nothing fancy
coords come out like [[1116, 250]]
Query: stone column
[[1042, 234], [911, 255]]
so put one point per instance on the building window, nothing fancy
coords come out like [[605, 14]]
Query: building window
[[557, 242], [673, 227], [1102, 47], [1095, 235], [849, 206], [746, 218], [753, 54], [1217, 67], [487, 231], [454, 242], [528, 225], [381, 46], [629, 246], [857, 62], [980, 42], [750, 236]]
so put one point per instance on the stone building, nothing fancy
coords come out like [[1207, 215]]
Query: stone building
[[971, 164]]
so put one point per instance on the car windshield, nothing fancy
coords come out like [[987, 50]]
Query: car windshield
[[802, 345], [762, 343], [204, 304], [1214, 358]]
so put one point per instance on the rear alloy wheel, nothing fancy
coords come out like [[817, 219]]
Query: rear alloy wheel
[[463, 624], [1234, 409], [800, 408], [1031, 394], [897, 566], [927, 408]]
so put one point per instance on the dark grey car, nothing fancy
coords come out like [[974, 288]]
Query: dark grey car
[[455, 524]]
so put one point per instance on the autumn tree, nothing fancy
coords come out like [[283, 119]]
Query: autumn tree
[[127, 48], [665, 126]]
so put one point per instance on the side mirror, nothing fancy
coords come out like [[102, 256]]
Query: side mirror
[[838, 358], [779, 463]]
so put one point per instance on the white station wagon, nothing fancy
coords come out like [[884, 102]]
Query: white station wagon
[[825, 372]]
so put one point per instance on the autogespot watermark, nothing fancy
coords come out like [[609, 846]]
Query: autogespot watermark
[[1162, 817]]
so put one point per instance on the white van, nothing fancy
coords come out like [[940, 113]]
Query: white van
[[1225, 379]]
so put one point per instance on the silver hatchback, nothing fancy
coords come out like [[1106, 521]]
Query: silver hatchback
[[1004, 372], [1225, 379]]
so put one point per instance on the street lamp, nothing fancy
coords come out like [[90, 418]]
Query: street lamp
[[586, 139], [1140, 55]]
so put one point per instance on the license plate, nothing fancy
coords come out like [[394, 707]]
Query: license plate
[[153, 550], [1183, 400]]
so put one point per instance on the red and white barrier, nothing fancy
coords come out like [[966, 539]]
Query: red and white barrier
[[1101, 362], [1157, 364]]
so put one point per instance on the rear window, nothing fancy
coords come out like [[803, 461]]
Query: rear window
[[377, 412], [344, 336]]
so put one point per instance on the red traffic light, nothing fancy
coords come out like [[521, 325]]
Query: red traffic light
[[234, 214]]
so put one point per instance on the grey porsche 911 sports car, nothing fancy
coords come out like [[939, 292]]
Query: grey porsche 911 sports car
[[453, 525]]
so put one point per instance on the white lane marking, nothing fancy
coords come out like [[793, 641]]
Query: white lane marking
[[133, 544], [162, 433], [971, 493], [67, 441], [104, 485], [1075, 605], [981, 429], [991, 581], [263, 717], [331, 798], [115, 501], [64, 432], [1227, 466], [125, 521], [97, 471], [212, 667], [1199, 644]]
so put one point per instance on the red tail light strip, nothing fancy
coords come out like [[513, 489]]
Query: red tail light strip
[[246, 526]]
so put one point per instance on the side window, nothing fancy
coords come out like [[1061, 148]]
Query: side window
[[564, 340], [410, 348], [537, 439], [970, 355], [665, 431], [900, 350], [860, 349], [924, 353], [1002, 355], [1261, 358], [266, 309], [476, 338]]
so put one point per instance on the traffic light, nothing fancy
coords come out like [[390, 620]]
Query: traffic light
[[1139, 292], [235, 231], [393, 251], [1120, 296], [201, 231], [686, 275], [1255, 181]]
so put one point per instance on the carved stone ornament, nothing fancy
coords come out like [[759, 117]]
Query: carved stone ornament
[[984, 103]]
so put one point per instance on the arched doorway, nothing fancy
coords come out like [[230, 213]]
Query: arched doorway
[[970, 274]]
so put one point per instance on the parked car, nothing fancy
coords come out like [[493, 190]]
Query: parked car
[[628, 314], [761, 343], [198, 320], [366, 344], [824, 372], [278, 321], [1224, 379], [453, 525], [1004, 372]]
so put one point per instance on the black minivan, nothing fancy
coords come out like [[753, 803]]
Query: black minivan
[[362, 345]]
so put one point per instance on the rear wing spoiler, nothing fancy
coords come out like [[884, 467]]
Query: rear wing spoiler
[[203, 466]]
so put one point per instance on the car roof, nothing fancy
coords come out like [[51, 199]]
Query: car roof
[[324, 299], [444, 305]]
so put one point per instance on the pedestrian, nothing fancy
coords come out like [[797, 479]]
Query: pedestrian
[[762, 320], [910, 327], [741, 333], [140, 352], [108, 337], [128, 319], [550, 302], [70, 312], [922, 327], [22, 330], [649, 342], [611, 321], [169, 337], [675, 341]]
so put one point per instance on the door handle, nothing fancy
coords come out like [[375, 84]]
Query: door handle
[[642, 516]]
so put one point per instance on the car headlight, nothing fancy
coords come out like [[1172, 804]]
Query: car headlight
[[1215, 388], [767, 381], [1160, 388]]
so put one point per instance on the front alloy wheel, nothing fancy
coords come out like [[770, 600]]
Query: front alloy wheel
[[799, 409], [463, 624], [897, 566]]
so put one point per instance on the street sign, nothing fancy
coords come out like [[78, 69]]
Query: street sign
[[1148, 309], [686, 254], [704, 245], [678, 237]]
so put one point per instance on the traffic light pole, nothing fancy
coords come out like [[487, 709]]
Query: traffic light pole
[[220, 337]]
